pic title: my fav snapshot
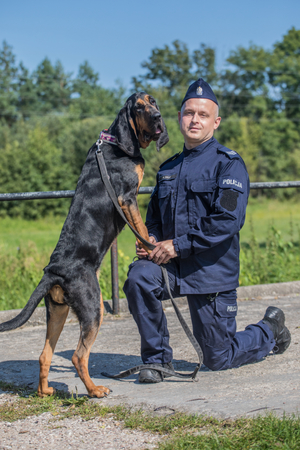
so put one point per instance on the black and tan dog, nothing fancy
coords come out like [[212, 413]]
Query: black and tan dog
[[71, 278]]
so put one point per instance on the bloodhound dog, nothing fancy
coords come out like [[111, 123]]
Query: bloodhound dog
[[71, 279]]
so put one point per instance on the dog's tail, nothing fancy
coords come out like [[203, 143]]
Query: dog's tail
[[38, 294]]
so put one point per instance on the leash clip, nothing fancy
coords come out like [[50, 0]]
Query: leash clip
[[98, 143]]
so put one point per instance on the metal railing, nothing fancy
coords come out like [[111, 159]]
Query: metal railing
[[114, 248]]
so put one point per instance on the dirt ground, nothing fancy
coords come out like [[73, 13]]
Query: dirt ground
[[269, 385]]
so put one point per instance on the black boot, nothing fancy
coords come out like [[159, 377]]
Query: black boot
[[154, 376], [274, 318]]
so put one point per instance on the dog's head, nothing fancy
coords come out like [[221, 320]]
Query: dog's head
[[138, 123]]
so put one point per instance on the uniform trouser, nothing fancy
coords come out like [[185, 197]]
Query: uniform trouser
[[213, 319]]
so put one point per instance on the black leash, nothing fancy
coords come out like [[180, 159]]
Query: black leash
[[194, 342]]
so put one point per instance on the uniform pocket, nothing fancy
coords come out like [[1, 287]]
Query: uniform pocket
[[226, 308], [200, 199], [224, 327], [166, 200]]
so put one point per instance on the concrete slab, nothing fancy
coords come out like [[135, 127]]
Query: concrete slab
[[270, 385]]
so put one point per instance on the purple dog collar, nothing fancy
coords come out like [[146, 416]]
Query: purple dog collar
[[107, 138]]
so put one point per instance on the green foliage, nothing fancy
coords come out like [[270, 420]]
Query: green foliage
[[75, 400], [268, 432], [90, 99], [49, 119], [52, 87], [285, 73], [37, 168], [61, 405], [177, 431], [19, 276], [175, 68], [105, 275], [274, 261], [8, 84], [21, 272]]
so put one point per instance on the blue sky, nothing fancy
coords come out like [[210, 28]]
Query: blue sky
[[115, 37]]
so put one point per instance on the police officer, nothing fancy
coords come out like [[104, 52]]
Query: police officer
[[194, 216]]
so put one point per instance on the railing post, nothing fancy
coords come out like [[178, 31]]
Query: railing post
[[114, 277]]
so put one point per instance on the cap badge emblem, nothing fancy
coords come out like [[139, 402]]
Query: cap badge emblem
[[199, 90]]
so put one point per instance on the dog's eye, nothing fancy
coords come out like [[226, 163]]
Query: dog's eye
[[152, 101]]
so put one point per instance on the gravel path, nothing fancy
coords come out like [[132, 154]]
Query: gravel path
[[42, 432], [270, 385]]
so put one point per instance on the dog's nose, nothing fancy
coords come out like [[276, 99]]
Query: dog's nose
[[156, 116]]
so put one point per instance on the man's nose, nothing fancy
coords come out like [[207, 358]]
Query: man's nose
[[195, 117]]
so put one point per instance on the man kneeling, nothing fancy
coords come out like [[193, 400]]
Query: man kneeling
[[194, 217]]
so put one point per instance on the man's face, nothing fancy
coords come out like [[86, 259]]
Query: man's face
[[198, 119]]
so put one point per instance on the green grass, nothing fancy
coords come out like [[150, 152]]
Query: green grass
[[44, 233], [262, 213], [270, 243], [25, 249], [179, 431]]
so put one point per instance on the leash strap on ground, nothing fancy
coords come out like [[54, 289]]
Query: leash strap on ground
[[194, 342], [161, 369]]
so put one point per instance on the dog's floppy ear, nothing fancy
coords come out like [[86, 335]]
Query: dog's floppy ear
[[163, 138], [125, 132]]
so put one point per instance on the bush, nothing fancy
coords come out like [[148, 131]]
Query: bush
[[274, 261]]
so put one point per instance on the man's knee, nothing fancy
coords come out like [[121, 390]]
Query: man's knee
[[142, 273], [216, 358]]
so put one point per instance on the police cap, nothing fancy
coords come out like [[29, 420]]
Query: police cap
[[200, 89]]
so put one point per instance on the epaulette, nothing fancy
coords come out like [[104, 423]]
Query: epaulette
[[170, 159], [230, 153]]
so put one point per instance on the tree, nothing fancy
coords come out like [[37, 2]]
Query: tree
[[38, 167], [244, 81], [27, 93], [52, 86], [8, 84], [90, 99], [173, 69], [285, 73], [205, 61]]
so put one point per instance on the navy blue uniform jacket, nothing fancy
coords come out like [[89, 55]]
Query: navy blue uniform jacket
[[200, 202]]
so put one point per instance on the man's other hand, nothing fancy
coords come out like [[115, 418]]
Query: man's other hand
[[163, 252], [141, 252]]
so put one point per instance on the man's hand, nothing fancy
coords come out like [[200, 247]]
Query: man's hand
[[141, 252], [163, 252]]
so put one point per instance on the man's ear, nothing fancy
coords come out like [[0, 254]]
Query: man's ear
[[163, 138], [125, 131]]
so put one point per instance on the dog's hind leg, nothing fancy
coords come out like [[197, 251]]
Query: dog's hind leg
[[56, 316], [80, 360], [90, 317]]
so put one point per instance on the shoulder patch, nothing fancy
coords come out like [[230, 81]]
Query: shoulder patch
[[228, 182], [170, 159], [230, 153]]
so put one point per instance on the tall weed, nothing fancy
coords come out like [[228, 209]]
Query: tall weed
[[21, 272], [273, 261]]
